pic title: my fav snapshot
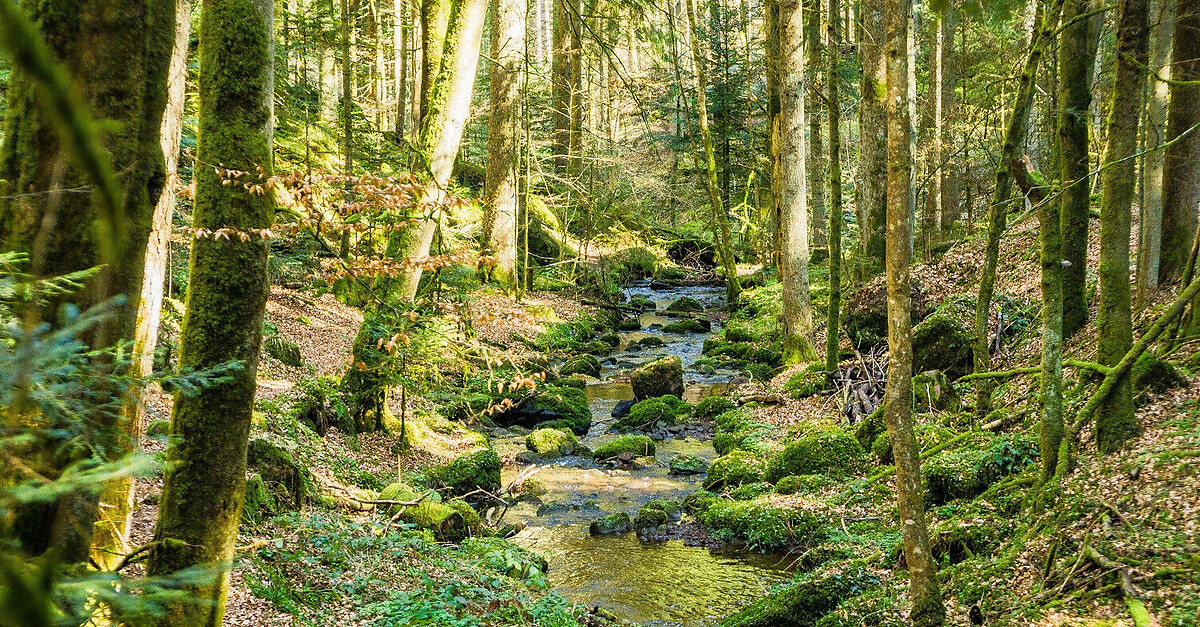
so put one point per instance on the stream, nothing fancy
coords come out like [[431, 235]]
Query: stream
[[661, 583]]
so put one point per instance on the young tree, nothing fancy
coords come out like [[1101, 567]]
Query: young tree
[[833, 106], [816, 165], [872, 124], [117, 54], [790, 187], [721, 231], [1181, 175], [205, 477], [1115, 420], [499, 236], [927, 608], [1150, 220], [1076, 56]]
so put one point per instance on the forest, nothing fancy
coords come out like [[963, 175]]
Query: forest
[[599, 313]]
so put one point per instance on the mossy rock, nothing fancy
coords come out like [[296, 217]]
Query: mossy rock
[[956, 474], [724, 443], [807, 600], [471, 518], [650, 341], [467, 473], [864, 317], [587, 365], [685, 304], [287, 352], [612, 339], [258, 503], [688, 325], [749, 491], [659, 378], [933, 391], [672, 509], [552, 443], [806, 484], [763, 526], [636, 445], [289, 481], [829, 451], [652, 411], [869, 429], [1150, 372], [551, 406], [698, 501], [650, 519], [735, 420], [942, 342], [446, 522], [577, 381], [401, 491], [629, 324], [807, 382], [688, 464], [734, 469], [643, 303], [712, 406], [612, 524], [739, 332]]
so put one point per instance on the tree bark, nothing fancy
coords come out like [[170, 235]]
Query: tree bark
[[817, 167], [925, 593], [205, 477], [435, 19], [948, 70], [1181, 175], [721, 232], [1115, 421], [563, 64], [833, 106], [872, 123], [500, 196], [1150, 221], [771, 44]]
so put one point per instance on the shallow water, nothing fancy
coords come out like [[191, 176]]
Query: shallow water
[[655, 583]]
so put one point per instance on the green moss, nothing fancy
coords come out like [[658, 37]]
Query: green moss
[[748, 491], [258, 502], [287, 352], [636, 445], [734, 469], [650, 341], [586, 365], [659, 378], [158, 428], [942, 342], [736, 331], [686, 304], [469, 472], [664, 409], [551, 443], [671, 508], [290, 482], [828, 450], [807, 382], [806, 601], [611, 524], [957, 474], [629, 324], [688, 464], [933, 391], [471, 518], [688, 325], [1150, 372], [735, 420], [808, 484], [712, 406], [643, 303], [612, 339], [724, 443], [762, 526], [565, 404], [649, 519]]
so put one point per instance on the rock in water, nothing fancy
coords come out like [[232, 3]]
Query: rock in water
[[622, 409], [659, 378], [611, 524]]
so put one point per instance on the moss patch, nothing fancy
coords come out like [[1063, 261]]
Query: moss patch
[[632, 444], [551, 443], [734, 469], [467, 473], [664, 409], [826, 450]]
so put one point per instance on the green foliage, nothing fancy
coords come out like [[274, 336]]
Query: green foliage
[[807, 600], [320, 405], [734, 469], [792, 484], [808, 381], [712, 406], [748, 491], [688, 464], [824, 450], [637, 445], [635, 263], [665, 409], [762, 526]]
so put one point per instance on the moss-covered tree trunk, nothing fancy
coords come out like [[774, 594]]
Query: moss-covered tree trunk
[[499, 236], [1076, 57], [924, 591], [435, 19], [116, 53], [834, 109], [1016, 128], [1115, 421], [562, 79], [948, 70], [721, 232], [790, 186], [205, 476], [872, 124], [1181, 175], [817, 165], [771, 45], [1154, 134]]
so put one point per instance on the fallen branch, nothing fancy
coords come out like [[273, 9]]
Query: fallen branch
[[1000, 374], [1137, 609]]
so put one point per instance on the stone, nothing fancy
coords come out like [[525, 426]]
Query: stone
[[621, 409], [469, 472], [612, 524], [688, 464], [665, 410], [688, 325], [633, 445], [586, 365], [659, 378], [287, 352], [551, 443], [685, 304]]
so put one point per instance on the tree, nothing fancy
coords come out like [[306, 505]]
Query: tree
[[833, 104], [721, 232], [872, 124], [949, 176], [1150, 221], [499, 236], [205, 476], [816, 165], [1181, 175], [565, 78], [1076, 56], [117, 53], [1115, 421], [927, 608], [790, 187]]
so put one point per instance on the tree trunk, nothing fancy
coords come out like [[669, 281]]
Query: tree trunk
[[446, 116], [1115, 421], [833, 106], [1017, 126], [771, 43], [205, 477], [347, 87], [117, 53], [435, 16], [1150, 222], [790, 187], [721, 233], [400, 33], [872, 124], [817, 170], [926, 597], [1181, 176], [500, 196], [562, 80], [948, 69]]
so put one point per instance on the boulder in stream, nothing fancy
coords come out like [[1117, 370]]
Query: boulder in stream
[[664, 410], [688, 464], [688, 325], [685, 304], [587, 365], [659, 378], [551, 443], [612, 524], [621, 409], [560, 407], [632, 445]]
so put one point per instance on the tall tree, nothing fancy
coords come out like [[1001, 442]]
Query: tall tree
[[117, 53], [948, 69], [349, 8], [499, 236], [1076, 57], [205, 478], [1154, 133], [816, 166], [721, 231], [1016, 128], [1115, 421], [435, 19], [1181, 176], [872, 124], [833, 107], [790, 186], [564, 77], [924, 591]]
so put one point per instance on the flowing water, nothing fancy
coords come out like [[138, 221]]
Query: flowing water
[[655, 583]]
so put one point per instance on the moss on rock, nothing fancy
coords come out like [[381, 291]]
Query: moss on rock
[[806, 601], [712, 406], [1150, 372], [286, 351], [734, 469], [665, 409], [942, 342], [688, 325], [807, 382], [551, 443], [289, 481], [631, 444], [828, 450], [792, 484], [469, 472], [611, 524], [659, 378], [761, 525], [258, 502], [688, 464], [933, 391], [685, 304]]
